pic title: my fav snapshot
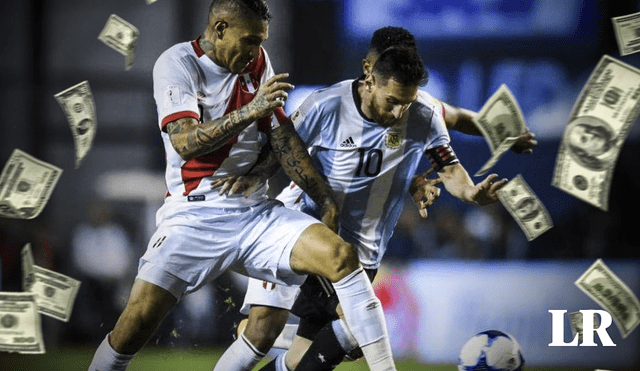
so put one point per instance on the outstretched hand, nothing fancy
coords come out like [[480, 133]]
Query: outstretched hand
[[486, 191], [424, 192], [525, 143]]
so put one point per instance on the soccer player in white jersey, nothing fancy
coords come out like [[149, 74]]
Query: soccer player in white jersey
[[367, 137], [219, 111]]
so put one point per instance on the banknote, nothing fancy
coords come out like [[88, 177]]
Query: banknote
[[26, 184], [55, 293], [597, 128], [606, 289], [575, 318], [28, 274], [627, 31], [79, 107], [525, 207], [506, 144], [121, 36], [20, 324], [499, 120]]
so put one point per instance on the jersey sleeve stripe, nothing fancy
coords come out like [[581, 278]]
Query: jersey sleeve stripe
[[178, 116]]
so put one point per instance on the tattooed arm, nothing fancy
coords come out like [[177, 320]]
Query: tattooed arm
[[294, 158], [192, 139]]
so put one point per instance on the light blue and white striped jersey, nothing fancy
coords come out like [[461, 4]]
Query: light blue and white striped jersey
[[369, 167]]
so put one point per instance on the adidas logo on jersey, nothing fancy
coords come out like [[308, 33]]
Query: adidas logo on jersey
[[348, 143]]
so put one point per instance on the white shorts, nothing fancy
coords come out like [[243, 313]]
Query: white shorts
[[268, 294], [195, 244]]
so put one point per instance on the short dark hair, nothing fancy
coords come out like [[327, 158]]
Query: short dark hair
[[386, 37], [256, 8], [403, 65]]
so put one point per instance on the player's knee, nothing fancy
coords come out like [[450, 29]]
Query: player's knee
[[343, 260]]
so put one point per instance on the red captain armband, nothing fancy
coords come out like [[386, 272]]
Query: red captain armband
[[441, 156]]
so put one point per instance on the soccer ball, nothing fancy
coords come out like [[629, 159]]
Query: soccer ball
[[491, 351]]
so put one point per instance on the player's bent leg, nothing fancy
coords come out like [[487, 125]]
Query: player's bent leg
[[147, 306], [320, 251], [264, 325], [297, 350]]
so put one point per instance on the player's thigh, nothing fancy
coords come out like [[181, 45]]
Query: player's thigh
[[321, 252], [297, 350]]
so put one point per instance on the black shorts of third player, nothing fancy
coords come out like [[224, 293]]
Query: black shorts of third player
[[316, 304]]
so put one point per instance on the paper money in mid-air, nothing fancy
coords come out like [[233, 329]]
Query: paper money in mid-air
[[627, 30], [28, 274], [122, 36], [20, 325], [598, 126], [55, 292], [575, 318], [606, 289], [501, 123], [26, 184], [79, 107], [525, 207]]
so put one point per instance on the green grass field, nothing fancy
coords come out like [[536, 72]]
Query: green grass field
[[161, 359]]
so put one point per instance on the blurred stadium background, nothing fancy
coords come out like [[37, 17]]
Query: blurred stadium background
[[461, 271]]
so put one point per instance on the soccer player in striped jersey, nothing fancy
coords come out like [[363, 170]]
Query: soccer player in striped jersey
[[219, 112], [367, 137]]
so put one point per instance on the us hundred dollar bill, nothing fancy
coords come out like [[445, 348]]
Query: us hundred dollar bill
[[26, 184], [525, 207], [575, 318], [55, 292], [28, 274], [80, 108], [500, 121], [121, 36], [606, 289], [627, 31], [598, 126], [20, 325]]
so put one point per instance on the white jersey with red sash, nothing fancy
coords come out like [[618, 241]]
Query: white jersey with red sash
[[187, 83]]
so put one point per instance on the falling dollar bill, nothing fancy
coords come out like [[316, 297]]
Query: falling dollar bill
[[20, 325], [55, 292], [598, 125], [501, 122], [575, 319], [28, 275], [25, 185], [525, 207], [606, 289], [121, 36], [627, 30], [79, 107]]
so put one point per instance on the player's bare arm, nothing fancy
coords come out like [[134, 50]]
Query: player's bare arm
[[461, 119], [191, 138], [458, 183], [294, 158], [424, 192]]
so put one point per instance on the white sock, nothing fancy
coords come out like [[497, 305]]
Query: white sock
[[107, 359], [365, 318], [285, 338], [240, 356], [344, 336], [280, 363]]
